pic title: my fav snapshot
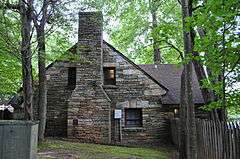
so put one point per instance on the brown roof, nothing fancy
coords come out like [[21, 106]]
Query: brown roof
[[169, 75]]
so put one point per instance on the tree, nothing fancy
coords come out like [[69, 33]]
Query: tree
[[42, 86], [26, 20], [218, 53], [10, 57], [40, 19], [220, 45], [26, 55], [57, 42], [129, 25], [157, 59], [28, 11], [188, 144]]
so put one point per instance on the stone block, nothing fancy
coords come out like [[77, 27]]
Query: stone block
[[142, 104]]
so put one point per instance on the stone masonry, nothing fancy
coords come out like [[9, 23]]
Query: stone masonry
[[88, 104], [86, 112], [134, 89]]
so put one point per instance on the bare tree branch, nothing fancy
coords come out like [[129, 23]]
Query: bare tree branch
[[233, 67], [175, 48], [197, 7], [179, 2], [12, 6]]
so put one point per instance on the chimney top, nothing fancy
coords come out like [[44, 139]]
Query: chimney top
[[90, 35], [90, 25]]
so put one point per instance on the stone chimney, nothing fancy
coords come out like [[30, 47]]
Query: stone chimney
[[88, 107], [90, 34]]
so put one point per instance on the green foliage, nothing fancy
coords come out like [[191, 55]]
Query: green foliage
[[129, 26], [10, 73], [57, 45], [134, 34], [57, 42], [10, 63], [219, 48]]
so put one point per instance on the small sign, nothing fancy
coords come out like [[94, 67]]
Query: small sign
[[117, 114]]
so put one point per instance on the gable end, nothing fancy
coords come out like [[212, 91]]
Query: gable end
[[136, 66]]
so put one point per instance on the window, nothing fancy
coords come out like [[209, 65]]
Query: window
[[109, 75], [133, 117], [75, 121], [72, 77]]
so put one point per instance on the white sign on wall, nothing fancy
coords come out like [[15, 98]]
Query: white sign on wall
[[117, 114]]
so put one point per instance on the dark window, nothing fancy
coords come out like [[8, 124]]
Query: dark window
[[133, 117], [6, 115], [109, 75], [72, 77], [75, 121]]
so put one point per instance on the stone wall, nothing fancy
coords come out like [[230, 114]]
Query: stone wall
[[83, 112], [57, 100], [134, 89], [89, 107], [86, 112], [155, 130], [87, 104]]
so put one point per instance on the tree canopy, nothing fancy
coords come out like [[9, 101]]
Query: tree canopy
[[129, 27]]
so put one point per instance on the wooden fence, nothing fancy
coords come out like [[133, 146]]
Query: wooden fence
[[210, 135]]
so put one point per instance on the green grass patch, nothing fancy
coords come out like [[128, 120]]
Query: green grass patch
[[60, 148]]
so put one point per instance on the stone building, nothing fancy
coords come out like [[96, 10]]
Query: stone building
[[104, 97]]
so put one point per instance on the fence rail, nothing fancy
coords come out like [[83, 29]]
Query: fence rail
[[210, 135]]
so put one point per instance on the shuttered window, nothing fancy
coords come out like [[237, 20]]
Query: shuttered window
[[133, 117]]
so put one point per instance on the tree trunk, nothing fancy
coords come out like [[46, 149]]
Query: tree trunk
[[223, 80], [188, 150], [156, 49], [208, 94], [42, 88], [183, 120], [26, 58]]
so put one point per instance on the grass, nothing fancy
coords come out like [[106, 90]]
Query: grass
[[74, 150]]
